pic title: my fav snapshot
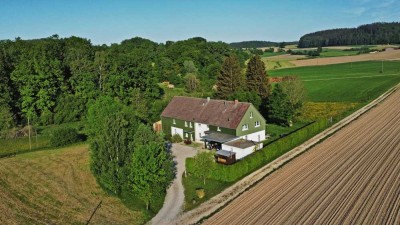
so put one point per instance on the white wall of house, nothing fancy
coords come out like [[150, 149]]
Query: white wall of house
[[175, 130], [256, 136], [240, 153], [199, 129]]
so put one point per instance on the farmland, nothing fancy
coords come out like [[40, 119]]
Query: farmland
[[352, 177], [347, 82], [57, 187]]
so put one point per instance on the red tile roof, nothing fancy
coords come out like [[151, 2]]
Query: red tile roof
[[213, 112]]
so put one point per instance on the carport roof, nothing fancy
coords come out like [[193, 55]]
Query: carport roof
[[218, 137]]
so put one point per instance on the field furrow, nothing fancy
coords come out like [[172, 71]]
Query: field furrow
[[351, 178]]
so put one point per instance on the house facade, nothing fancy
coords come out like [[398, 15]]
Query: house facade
[[213, 121]]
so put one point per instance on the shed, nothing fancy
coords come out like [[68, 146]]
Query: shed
[[241, 147]]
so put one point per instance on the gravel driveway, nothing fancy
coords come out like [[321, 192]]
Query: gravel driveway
[[173, 204]]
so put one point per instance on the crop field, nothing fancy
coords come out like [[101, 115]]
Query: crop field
[[387, 55], [353, 177], [57, 187], [347, 82]]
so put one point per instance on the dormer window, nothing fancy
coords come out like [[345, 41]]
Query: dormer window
[[257, 124], [251, 115], [245, 127]]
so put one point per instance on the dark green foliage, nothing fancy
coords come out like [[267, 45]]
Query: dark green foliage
[[192, 84], [112, 149], [256, 77], [246, 96], [64, 136], [70, 108], [279, 107], [6, 120], [258, 44], [152, 168], [369, 34], [256, 51], [230, 78], [262, 157], [176, 138]]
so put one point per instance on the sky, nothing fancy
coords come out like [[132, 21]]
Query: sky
[[106, 22]]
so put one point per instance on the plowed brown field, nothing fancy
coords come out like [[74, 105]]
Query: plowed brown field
[[353, 177]]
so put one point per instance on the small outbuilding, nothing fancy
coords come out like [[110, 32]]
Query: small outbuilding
[[225, 157], [241, 147]]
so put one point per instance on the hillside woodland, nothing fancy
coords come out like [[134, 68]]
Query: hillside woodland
[[369, 34]]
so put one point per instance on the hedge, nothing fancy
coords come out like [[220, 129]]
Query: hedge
[[64, 136], [264, 156]]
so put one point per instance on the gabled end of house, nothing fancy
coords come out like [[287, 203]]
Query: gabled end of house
[[232, 126]]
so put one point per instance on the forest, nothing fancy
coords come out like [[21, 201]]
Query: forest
[[369, 34], [53, 80], [259, 44]]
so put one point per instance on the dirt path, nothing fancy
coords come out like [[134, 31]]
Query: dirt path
[[353, 177], [174, 200]]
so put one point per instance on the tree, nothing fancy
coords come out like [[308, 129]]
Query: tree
[[191, 82], [295, 91], [6, 119], [246, 96], [279, 109], [111, 151], [189, 67], [256, 77], [152, 168], [203, 164], [230, 78]]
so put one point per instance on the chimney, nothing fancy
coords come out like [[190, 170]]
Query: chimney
[[236, 101]]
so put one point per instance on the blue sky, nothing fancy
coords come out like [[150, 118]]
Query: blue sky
[[105, 22]]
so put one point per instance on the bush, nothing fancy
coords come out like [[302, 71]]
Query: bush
[[262, 157], [176, 138], [188, 142], [64, 136]]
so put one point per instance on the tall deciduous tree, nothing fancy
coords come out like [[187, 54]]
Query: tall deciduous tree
[[230, 78], [295, 91], [192, 84], [152, 168], [279, 110], [203, 165], [256, 77]]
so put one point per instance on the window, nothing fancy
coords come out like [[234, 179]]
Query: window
[[173, 121], [190, 124], [218, 129], [251, 115], [199, 124], [245, 127], [257, 124], [186, 135], [246, 137], [186, 124]]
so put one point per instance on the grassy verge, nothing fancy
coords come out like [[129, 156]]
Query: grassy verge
[[211, 188], [21, 145]]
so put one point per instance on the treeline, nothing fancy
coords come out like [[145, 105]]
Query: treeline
[[259, 44], [53, 80], [369, 34]]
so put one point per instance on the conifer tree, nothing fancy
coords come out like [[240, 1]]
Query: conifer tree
[[230, 78], [256, 77]]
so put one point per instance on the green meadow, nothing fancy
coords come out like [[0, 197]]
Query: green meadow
[[347, 82]]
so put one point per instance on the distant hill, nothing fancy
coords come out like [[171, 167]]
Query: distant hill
[[258, 44], [369, 34]]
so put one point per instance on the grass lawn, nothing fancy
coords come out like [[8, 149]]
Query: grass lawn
[[326, 52], [211, 188], [276, 130], [19, 145], [268, 54], [277, 63], [347, 82], [57, 187]]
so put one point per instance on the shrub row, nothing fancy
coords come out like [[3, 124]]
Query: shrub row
[[64, 136], [264, 156]]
